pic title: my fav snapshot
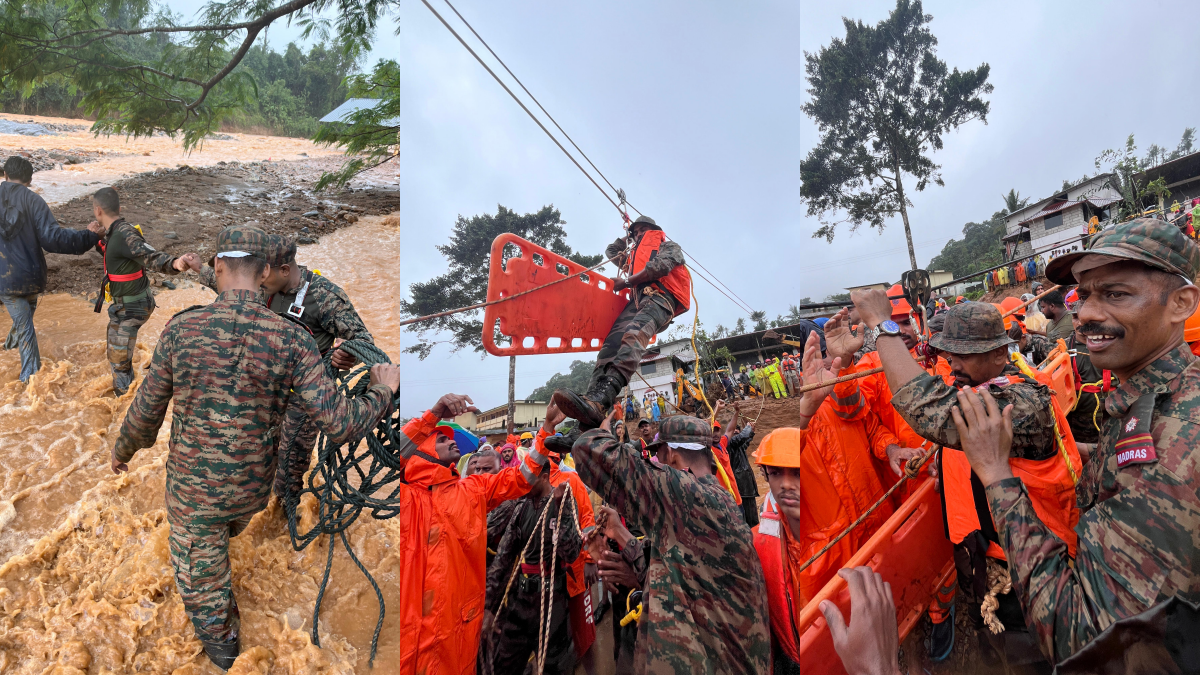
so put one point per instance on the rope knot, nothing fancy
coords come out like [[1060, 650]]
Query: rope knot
[[913, 466]]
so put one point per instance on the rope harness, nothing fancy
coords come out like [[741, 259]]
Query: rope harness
[[347, 478]]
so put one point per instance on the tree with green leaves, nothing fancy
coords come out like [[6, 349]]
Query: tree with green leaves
[[465, 281], [1013, 201], [882, 101], [1129, 177], [980, 248], [142, 70], [577, 378], [760, 320]]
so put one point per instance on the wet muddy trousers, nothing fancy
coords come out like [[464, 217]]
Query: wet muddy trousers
[[626, 343], [200, 557], [22, 335], [124, 321], [295, 452]]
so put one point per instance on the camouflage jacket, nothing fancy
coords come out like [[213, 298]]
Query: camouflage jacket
[[231, 369], [704, 608], [1139, 530], [1037, 348], [125, 251], [925, 402], [328, 312], [519, 530]]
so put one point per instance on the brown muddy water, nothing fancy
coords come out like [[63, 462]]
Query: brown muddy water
[[86, 584]]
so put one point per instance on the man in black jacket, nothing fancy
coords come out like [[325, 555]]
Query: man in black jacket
[[26, 228]]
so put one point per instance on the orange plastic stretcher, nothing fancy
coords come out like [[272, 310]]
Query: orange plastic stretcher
[[573, 316], [910, 551]]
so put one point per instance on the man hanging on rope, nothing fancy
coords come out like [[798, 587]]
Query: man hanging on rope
[[661, 289], [533, 559], [230, 369], [704, 607], [1139, 533], [443, 525], [326, 311], [974, 337]]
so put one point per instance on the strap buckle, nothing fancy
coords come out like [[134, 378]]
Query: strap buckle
[[296, 310]]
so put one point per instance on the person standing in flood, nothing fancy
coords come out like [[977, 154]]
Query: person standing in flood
[[326, 311], [26, 229], [126, 258], [231, 369]]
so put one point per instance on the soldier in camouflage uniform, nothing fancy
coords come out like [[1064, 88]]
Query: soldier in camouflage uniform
[[704, 605], [326, 311], [1139, 532], [231, 369], [661, 287], [126, 258], [1035, 348], [975, 340]]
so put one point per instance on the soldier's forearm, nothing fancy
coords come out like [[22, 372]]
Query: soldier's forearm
[[898, 364]]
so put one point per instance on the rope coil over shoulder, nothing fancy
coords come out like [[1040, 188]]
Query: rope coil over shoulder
[[354, 477]]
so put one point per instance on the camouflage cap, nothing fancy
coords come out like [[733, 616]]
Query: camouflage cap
[[280, 250], [242, 240], [971, 328], [685, 429], [1153, 242], [647, 221], [937, 323]]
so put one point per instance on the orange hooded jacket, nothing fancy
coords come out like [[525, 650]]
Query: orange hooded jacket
[[443, 552]]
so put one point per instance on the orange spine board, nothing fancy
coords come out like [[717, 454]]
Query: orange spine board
[[573, 316], [910, 551]]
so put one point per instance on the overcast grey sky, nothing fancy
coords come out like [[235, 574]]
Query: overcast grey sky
[[694, 109]]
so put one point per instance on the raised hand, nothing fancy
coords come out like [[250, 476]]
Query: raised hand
[[870, 644], [816, 372], [839, 341], [450, 405]]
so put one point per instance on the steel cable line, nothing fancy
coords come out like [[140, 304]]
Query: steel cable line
[[741, 305]]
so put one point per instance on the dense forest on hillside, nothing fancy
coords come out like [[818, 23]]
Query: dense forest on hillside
[[295, 89]]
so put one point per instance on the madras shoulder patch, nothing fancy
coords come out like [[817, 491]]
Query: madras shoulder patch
[[1135, 444]]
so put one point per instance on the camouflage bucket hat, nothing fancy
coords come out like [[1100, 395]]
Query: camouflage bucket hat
[[971, 328], [1154, 242], [239, 240], [685, 429]]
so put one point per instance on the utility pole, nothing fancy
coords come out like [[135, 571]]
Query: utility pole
[[512, 392]]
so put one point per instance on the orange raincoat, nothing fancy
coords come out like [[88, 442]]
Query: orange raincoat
[[443, 552]]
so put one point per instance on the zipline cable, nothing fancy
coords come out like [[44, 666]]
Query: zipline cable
[[533, 117], [537, 102]]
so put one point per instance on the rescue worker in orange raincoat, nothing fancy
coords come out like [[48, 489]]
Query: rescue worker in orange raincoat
[[874, 388], [1043, 451], [661, 289], [817, 473], [443, 542]]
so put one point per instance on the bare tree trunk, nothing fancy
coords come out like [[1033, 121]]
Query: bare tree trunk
[[512, 392], [912, 254]]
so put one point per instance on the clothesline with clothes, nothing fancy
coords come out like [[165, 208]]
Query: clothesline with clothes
[[1015, 273]]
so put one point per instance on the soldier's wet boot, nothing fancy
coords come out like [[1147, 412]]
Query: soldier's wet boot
[[562, 444], [222, 654], [591, 408]]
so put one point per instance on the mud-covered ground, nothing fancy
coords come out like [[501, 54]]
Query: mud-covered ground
[[183, 209]]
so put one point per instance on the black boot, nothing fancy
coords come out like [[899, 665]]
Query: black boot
[[562, 444], [591, 408], [222, 654]]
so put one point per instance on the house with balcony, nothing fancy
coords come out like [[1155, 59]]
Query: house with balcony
[[1053, 225]]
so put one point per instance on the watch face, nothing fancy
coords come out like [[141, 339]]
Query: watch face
[[889, 326]]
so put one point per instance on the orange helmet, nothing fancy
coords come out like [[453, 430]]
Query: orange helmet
[[1010, 303], [1007, 319], [781, 447], [1191, 329], [900, 306], [959, 300]]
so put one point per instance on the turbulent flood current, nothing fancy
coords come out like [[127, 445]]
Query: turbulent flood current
[[86, 584]]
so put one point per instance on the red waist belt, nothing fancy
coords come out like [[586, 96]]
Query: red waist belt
[[531, 570], [126, 277]]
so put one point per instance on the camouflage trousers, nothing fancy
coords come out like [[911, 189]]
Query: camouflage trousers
[[628, 339], [124, 321], [296, 443], [200, 556]]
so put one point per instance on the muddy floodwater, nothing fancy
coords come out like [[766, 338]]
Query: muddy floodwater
[[86, 584]]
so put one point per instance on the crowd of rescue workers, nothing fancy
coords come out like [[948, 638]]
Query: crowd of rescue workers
[[1091, 514]]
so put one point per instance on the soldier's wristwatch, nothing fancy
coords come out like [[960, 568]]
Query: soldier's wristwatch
[[888, 327]]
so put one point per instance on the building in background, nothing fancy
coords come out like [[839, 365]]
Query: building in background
[[1053, 226], [528, 416], [657, 370]]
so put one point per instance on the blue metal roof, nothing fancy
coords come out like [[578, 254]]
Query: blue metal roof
[[343, 111]]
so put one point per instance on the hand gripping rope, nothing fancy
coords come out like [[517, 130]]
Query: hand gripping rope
[[347, 478]]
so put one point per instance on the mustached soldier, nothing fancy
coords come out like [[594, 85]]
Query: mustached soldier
[[325, 309], [231, 368]]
